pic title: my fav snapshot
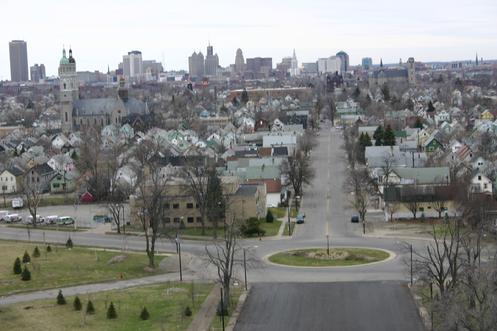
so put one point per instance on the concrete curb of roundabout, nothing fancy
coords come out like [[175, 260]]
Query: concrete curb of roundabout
[[391, 256]]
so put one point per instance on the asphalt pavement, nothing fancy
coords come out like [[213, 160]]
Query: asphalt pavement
[[365, 306]]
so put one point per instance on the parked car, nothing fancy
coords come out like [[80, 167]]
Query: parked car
[[13, 218], [52, 219], [354, 219], [39, 219], [102, 219], [3, 214], [300, 218], [65, 220], [17, 203]]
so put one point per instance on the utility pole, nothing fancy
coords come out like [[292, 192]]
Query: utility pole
[[410, 247], [222, 307], [288, 214], [245, 267]]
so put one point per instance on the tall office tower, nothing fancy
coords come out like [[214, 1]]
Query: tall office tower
[[239, 61], [211, 62], [367, 63], [344, 58], [68, 89], [18, 61], [196, 65], [294, 65], [133, 65], [37, 72]]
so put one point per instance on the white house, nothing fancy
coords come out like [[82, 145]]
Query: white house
[[10, 180], [481, 184]]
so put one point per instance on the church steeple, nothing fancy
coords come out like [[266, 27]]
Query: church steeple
[[381, 62], [476, 58]]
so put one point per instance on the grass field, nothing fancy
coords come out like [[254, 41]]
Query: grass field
[[292, 227], [278, 212], [217, 324], [338, 257], [164, 302], [64, 267], [271, 228]]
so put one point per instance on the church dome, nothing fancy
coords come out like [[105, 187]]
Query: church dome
[[71, 59], [64, 59]]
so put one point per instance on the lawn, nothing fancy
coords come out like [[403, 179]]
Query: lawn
[[235, 293], [64, 267], [278, 212], [317, 257], [271, 228], [292, 227], [165, 304]]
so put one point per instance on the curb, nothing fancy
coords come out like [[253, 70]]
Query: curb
[[391, 256], [234, 317]]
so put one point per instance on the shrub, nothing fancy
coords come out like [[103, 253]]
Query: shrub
[[49, 249], [77, 303], [26, 258], [60, 298], [269, 217], [252, 228], [17, 266], [36, 252], [188, 311], [111, 311], [90, 310], [26, 274], [144, 315], [69, 243]]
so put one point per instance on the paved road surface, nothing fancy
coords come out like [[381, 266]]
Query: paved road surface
[[350, 306]]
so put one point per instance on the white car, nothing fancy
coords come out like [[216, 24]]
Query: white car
[[52, 219], [13, 218], [39, 219], [3, 214], [17, 203]]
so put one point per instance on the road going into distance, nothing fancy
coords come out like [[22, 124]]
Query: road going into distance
[[325, 205]]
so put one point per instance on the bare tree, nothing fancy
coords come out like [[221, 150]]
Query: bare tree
[[32, 194], [118, 192], [307, 142], [150, 193], [441, 262], [359, 183], [413, 206], [222, 254], [298, 170], [440, 206], [197, 179], [90, 159]]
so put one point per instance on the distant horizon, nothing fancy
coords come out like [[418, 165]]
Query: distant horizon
[[101, 32]]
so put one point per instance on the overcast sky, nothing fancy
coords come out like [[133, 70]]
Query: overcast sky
[[100, 32]]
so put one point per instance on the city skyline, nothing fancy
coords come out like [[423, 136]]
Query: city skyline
[[443, 31]]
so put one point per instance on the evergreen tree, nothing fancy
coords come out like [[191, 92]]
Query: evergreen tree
[[357, 93], [389, 137], [17, 266], [244, 96], [144, 315], [49, 249], [385, 90], [378, 136], [418, 124], [269, 216], [111, 311], [69, 243], [26, 274], [77, 303], [188, 311], [36, 252], [26, 258], [90, 310], [60, 298], [431, 108], [367, 140]]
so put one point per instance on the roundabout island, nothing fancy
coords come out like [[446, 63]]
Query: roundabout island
[[334, 257]]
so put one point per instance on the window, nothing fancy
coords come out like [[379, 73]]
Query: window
[[421, 209], [189, 219], [175, 205], [189, 205], [56, 185], [199, 219], [176, 220], [167, 220], [485, 186], [479, 177], [66, 116], [429, 207], [166, 206]]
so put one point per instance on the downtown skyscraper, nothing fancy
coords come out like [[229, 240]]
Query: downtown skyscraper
[[18, 61]]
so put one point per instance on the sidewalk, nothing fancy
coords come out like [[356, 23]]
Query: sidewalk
[[91, 288], [203, 318]]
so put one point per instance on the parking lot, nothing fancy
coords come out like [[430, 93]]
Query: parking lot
[[82, 214]]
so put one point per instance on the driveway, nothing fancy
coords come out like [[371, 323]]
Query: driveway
[[341, 306]]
